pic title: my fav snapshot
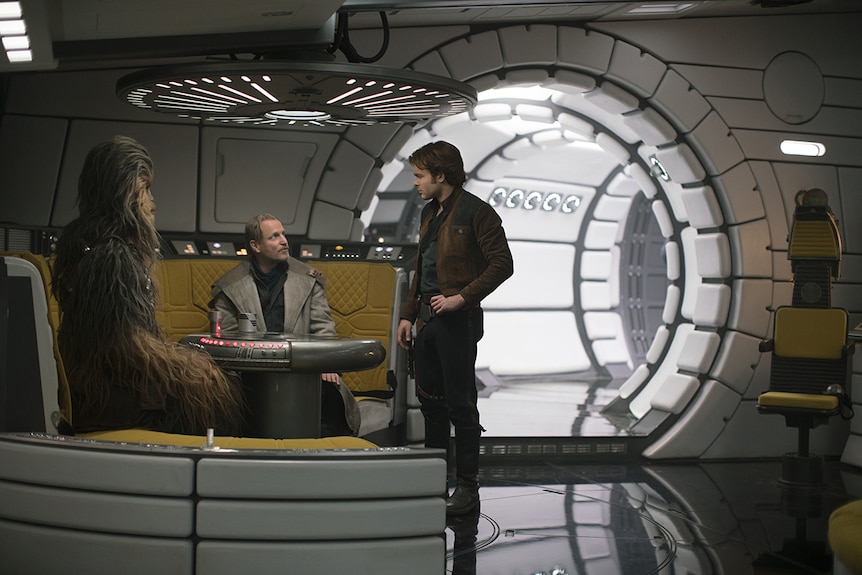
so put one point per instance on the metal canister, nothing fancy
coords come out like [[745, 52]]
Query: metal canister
[[215, 323], [248, 322]]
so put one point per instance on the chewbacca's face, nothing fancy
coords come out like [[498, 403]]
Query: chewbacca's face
[[146, 204]]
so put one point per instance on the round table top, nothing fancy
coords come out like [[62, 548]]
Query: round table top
[[288, 352]]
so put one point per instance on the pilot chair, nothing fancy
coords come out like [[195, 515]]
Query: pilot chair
[[810, 365]]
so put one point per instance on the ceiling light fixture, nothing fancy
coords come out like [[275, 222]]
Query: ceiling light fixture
[[802, 148], [296, 93]]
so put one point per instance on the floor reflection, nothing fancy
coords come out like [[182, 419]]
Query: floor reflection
[[723, 517]]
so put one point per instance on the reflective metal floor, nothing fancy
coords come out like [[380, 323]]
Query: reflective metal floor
[[726, 517]]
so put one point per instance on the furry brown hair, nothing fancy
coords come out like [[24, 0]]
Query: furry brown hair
[[122, 371]]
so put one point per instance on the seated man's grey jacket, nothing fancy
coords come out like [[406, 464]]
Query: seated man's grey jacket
[[306, 310]]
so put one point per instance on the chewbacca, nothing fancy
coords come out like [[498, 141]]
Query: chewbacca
[[122, 371]]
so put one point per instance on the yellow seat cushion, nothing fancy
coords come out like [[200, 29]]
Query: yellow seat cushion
[[815, 333], [845, 535], [798, 400], [144, 436]]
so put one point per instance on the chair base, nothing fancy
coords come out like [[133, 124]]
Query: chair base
[[801, 470]]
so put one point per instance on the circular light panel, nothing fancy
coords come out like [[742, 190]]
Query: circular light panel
[[303, 93]]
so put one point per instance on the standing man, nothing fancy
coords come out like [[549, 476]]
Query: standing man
[[463, 257], [287, 296]]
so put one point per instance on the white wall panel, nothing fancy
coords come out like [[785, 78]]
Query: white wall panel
[[713, 255], [611, 98], [702, 207], [717, 81], [328, 222], [347, 170], [642, 402], [635, 69], [750, 307], [737, 356], [590, 51], [175, 158], [535, 44], [478, 55], [750, 245], [676, 100], [507, 343], [651, 126], [739, 195], [699, 426], [699, 351], [719, 150], [713, 304], [551, 264]]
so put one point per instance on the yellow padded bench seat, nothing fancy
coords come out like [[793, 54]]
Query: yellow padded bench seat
[[143, 436]]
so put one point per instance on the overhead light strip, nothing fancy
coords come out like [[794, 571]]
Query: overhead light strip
[[13, 30]]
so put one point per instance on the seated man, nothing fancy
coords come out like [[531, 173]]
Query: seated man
[[287, 296]]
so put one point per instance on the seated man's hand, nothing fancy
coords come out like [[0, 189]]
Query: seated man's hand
[[331, 378]]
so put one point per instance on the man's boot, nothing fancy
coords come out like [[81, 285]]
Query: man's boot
[[465, 498]]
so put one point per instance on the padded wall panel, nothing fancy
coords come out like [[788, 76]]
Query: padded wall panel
[[322, 478], [534, 44], [750, 307], [698, 427], [681, 163], [33, 550], [588, 50], [642, 402], [676, 391], [713, 304], [244, 172], [634, 382], [432, 63], [28, 194], [96, 469], [174, 153], [651, 126], [346, 172], [717, 81], [676, 99], [375, 140], [699, 351], [635, 69], [102, 512], [713, 255], [750, 243], [417, 556], [328, 221], [702, 207], [477, 55], [571, 82], [719, 150], [737, 358], [367, 519], [612, 98]]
